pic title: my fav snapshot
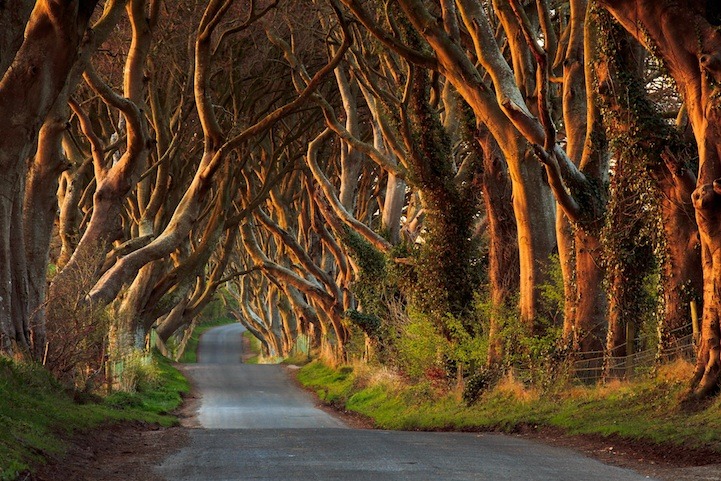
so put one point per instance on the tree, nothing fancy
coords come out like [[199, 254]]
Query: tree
[[30, 85], [685, 36], [495, 112]]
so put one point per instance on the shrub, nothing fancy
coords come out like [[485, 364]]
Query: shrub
[[478, 383], [137, 371], [419, 345], [76, 330]]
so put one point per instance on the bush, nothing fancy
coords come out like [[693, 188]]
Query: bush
[[76, 331], [419, 345], [478, 383], [137, 371]]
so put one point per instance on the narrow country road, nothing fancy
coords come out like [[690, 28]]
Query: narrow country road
[[257, 425], [248, 396]]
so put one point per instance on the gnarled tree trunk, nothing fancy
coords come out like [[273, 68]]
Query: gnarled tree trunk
[[687, 38], [28, 90]]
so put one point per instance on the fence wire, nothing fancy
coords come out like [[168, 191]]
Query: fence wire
[[597, 365], [594, 366]]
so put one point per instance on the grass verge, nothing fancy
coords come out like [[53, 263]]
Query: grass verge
[[254, 348], [36, 414], [650, 411]]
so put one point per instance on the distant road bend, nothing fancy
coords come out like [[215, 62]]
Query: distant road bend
[[257, 425]]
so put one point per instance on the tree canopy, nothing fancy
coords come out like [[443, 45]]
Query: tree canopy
[[446, 185]]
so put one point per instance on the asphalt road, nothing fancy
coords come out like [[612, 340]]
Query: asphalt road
[[248, 396], [256, 424]]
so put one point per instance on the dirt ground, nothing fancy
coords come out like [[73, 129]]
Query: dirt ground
[[665, 463], [129, 451], [121, 452]]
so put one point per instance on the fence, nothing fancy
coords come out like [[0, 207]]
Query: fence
[[596, 365]]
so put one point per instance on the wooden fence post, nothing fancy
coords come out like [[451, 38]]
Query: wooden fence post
[[694, 322], [630, 338]]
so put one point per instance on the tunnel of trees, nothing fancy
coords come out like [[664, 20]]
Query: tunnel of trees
[[453, 185]]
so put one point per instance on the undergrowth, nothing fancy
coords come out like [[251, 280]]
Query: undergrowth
[[254, 348], [37, 414], [649, 410]]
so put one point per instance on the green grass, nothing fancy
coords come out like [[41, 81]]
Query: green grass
[[333, 386], [190, 354], [254, 348], [299, 359], [36, 414], [650, 411]]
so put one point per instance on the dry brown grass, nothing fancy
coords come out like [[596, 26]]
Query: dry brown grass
[[510, 386], [369, 375], [677, 371]]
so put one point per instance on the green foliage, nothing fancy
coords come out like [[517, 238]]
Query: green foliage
[[468, 346], [422, 352], [553, 296], [37, 414], [368, 323], [538, 356], [140, 371], [371, 286], [419, 345], [539, 359]]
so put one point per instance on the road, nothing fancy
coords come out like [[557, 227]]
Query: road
[[255, 424]]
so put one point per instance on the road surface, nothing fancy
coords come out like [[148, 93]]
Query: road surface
[[257, 425]]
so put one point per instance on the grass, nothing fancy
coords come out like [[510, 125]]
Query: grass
[[36, 414], [649, 411], [298, 359], [254, 348], [190, 354]]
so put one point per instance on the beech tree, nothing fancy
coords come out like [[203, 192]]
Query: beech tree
[[687, 39], [32, 80], [343, 170], [533, 219]]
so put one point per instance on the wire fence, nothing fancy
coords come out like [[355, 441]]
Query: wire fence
[[635, 358]]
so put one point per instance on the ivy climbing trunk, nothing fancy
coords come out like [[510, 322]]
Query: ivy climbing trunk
[[503, 271], [446, 286], [688, 40]]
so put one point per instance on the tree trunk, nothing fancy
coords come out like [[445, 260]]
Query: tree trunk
[[687, 38], [40, 212], [351, 160], [503, 244], [445, 264], [14, 15], [28, 90], [532, 199]]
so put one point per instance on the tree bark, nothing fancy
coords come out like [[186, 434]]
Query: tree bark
[[532, 199], [28, 90], [503, 248], [40, 212], [690, 45]]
